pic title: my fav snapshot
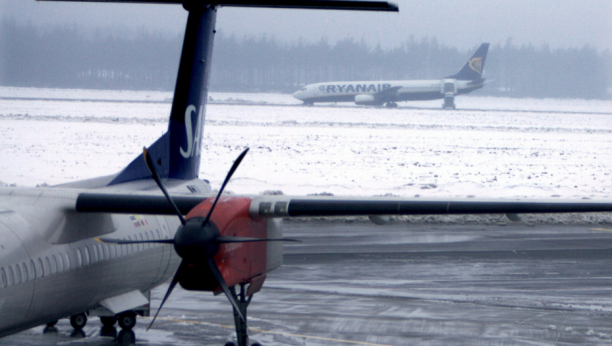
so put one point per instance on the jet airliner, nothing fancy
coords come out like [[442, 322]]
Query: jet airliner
[[377, 93], [97, 247]]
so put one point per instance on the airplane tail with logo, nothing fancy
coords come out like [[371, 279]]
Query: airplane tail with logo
[[177, 152], [472, 70]]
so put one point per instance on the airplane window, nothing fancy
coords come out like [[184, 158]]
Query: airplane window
[[85, 255], [24, 269], [105, 254], [11, 276], [53, 264], [66, 260], [141, 238], [17, 274], [150, 236], [94, 254], [79, 258], [101, 253], [33, 269], [40, 265], [112, 249], [158, 234], [60, 263], [3, 274], [47, 268], [145, 236]]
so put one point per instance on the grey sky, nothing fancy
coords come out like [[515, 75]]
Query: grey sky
[[464, 24]]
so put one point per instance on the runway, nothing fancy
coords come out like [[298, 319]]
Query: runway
[[293, 104], [354, 283]]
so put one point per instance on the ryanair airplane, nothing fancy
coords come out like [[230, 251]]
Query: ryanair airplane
[[390, 92]]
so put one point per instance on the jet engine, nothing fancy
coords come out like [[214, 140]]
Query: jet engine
[[366, 100]]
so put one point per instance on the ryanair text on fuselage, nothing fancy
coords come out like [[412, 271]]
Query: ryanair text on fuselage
[[352, 88]]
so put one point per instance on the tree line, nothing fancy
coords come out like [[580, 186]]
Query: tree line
[[66, 57]]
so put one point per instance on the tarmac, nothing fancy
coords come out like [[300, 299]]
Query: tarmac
[[355, 283]]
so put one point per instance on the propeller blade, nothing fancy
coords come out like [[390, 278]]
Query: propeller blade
[[223, 240], [151, 167], [217, 273], [227, 178], [122, 242], [175, 280]]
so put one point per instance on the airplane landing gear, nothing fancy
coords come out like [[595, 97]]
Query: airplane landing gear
[[79, 321], [50, 328], [127, 320], [391, 105], [108, 321], [243, 301]]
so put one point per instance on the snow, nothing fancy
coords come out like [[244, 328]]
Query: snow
[[494, 147]]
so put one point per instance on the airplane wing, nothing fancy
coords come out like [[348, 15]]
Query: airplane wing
[[388, 95], [287, 206], [296, 4]]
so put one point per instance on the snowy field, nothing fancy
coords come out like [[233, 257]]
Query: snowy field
[[498, 148]]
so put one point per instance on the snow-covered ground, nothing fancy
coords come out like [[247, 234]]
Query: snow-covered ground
[[519, 148]]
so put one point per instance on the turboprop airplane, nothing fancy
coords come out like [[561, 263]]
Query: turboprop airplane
[[377, 93], [97, 247]]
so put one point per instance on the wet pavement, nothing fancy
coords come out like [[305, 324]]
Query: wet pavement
[[401, 284]]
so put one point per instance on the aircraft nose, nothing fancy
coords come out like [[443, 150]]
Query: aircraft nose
[[297, 94]]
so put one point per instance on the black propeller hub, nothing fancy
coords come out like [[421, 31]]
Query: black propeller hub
[[196, 242]]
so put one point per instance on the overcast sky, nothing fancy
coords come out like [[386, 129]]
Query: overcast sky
[[463, 24]]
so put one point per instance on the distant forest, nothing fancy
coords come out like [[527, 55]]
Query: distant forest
[[65, 57]]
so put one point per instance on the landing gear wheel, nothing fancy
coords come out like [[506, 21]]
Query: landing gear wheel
[[108, 321], [50, 327], [256, 344], [51, 324], [127, 320], [391, 105], [79, 321], [229, 343]]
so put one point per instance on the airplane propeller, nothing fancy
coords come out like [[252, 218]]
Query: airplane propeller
[[196, 240]]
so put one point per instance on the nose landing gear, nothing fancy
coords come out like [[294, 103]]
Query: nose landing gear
[[127, 320], [391, 105]]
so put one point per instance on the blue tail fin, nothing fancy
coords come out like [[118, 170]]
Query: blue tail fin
[[177, 152], [472, 70]]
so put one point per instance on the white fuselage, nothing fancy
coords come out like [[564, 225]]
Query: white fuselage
[[51, 267], [406, 90]]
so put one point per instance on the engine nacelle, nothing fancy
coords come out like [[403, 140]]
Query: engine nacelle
[[242, 262], [366, 100]]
